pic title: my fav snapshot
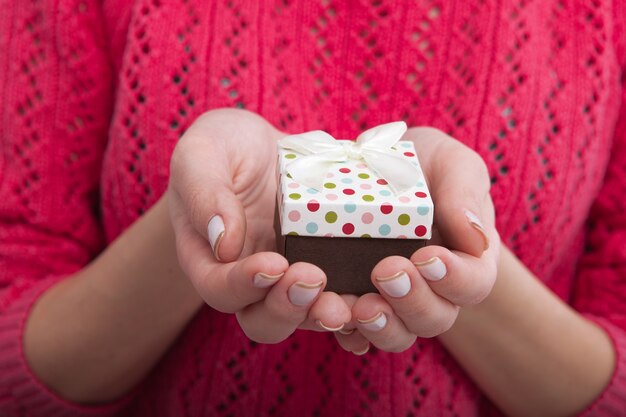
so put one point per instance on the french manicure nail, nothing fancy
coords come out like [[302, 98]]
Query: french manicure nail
[[397, 285], [328, 328], [362, 351], [347, 332], [301, 294], [216, 233], [477, 224], [262, 280], [433, 269], [375, 323]]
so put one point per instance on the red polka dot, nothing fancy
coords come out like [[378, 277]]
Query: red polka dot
[[348, 191], [409, 154], [344, 170], [386, 208], [421, 194], [420, 230], [313, 206], [348, 228], [381, 182]]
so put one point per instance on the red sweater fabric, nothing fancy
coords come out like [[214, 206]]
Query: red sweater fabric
[[95, 95]]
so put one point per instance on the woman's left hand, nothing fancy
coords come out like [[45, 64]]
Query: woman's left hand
[[421, 296]]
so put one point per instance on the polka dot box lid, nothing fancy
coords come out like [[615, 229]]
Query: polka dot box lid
[[354, 202]]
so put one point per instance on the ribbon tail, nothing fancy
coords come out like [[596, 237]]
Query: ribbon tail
[[395, 169], [311, 170]]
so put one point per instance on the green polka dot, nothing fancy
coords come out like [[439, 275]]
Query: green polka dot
[[289, 176], [290, 156], [365, 236], [292, 234], [404, 219], [364, 176], [368, 197], [295, 196], [331, 217], [330, 185]]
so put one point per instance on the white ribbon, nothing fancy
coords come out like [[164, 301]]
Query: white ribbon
[[373, 146]]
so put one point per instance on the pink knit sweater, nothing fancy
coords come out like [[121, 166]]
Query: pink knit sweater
[[95, 94]]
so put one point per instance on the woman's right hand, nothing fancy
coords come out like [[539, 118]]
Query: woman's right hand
[[222, 195]]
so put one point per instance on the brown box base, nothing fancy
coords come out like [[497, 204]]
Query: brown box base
[[347, 262]]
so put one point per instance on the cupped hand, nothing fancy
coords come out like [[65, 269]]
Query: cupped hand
[[222, 195], [421, 296]]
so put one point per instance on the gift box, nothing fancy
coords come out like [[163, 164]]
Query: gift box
[[345, 205]]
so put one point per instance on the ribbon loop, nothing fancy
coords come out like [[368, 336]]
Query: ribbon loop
[[374, 147]]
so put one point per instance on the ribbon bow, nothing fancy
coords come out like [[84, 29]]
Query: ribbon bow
[[373, 146]]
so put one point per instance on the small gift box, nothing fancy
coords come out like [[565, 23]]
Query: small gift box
[[345, 205]]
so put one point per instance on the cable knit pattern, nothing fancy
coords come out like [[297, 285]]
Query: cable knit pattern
[[95, 95]]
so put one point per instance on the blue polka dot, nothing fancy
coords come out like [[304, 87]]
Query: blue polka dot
[[350, 207], [346, 180], [312, 191], [419, 184], [311, 227], [405, 144], [423, 210], [385, 192], [384, 230]]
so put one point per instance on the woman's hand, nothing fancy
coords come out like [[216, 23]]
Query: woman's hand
[[222, 197], [421, 296]]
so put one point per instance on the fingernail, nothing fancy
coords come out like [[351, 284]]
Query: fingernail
[[347, 332], [262, 280], [397, 285], [374, 324], [363, 351], [328, 328], [477, 224], [216, 233], [301, 294], [433, 269]]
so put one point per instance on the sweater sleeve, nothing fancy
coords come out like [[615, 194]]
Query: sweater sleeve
[[601, 282], [55, 84]]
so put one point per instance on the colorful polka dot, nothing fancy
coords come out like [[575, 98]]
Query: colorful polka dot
[[311, 227], [292, 233], [330, 217], [423, 210], [331, 197], [346, 180], [361, 165], [409, 154], [344, 170], [295, 196], [420, 230], [402, 237], [293, 185], [367, 218], [385, 193], [365, 236], [384, 229], [404, 219], [404, 199], [421, 194], [312, 191], [405, 144], [364, 176], [386, 208], [348, 191], [330, 175], [330, 185], [294, 215], [349, 207], [368, 198], [291, 156], [365, 186], [313, 205], [381, 182], [348, 228]]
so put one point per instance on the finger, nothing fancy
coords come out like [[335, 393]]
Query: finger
[[459, 184], [231, 287], [458, 277], [205, 188], [285, 307], [329, 313], [423, 312], [378, 323], [353, 342]]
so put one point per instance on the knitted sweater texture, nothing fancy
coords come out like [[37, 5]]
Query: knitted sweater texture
[[95, 94]]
